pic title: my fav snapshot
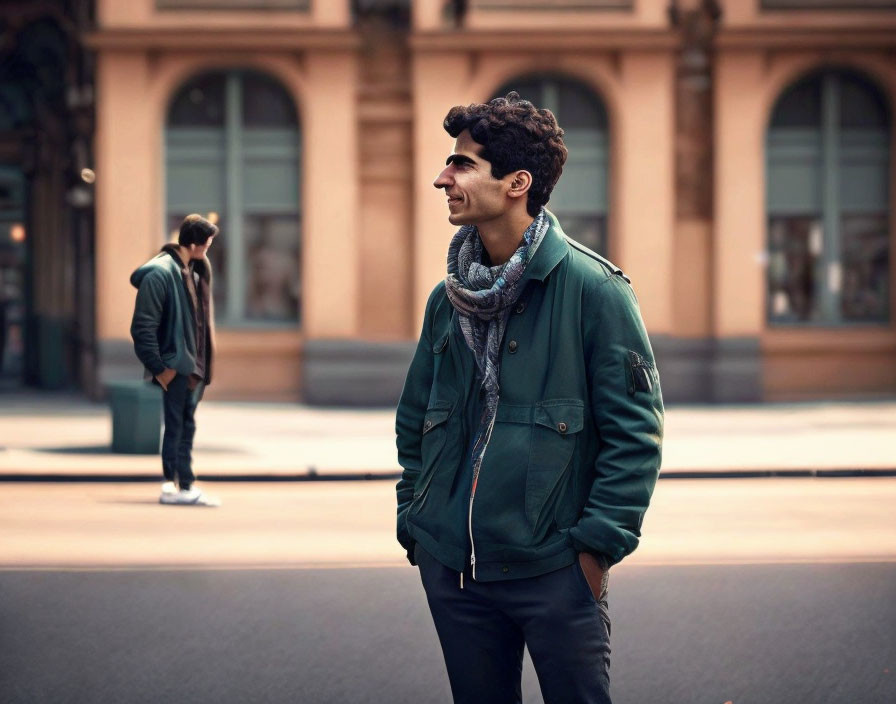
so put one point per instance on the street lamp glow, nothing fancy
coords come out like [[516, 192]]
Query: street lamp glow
[[17, 232]]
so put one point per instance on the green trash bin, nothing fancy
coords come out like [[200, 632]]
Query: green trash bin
[[136, 408]]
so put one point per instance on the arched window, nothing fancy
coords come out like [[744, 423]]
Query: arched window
[[233, 151], [828, 156], [579, 199]]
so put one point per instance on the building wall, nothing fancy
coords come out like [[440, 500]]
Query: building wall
[[137, 80], [758, 56], [371, 100]]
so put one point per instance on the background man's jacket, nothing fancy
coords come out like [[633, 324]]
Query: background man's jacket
[[575, 450], [164, 322]]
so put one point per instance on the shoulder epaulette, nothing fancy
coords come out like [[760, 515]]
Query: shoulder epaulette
[[594, 255]]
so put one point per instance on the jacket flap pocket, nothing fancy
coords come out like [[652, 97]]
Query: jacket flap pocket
[[436, 414], [563, 415], [440, 344]]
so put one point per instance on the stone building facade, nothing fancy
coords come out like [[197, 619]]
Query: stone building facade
[[734, 157]]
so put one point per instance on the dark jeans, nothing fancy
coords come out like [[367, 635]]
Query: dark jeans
[[484, 626], [180, 426]]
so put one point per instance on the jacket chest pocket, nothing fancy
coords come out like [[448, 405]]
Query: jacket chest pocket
[[557, 424]]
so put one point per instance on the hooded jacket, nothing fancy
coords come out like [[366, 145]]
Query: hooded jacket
[[164, 324], [575, 450]]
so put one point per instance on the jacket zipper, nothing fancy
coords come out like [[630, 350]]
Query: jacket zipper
[[476, 470]]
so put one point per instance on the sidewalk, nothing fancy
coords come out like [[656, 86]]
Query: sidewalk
[[57, 437]]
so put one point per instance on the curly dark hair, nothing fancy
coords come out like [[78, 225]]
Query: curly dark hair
[[515, 135]]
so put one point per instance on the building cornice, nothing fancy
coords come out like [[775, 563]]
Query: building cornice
[[765, 37], [225, 38], [537, 39]]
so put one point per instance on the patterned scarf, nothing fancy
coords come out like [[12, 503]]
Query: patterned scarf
[[483, 297]]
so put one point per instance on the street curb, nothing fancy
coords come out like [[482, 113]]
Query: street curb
[[51, 478]]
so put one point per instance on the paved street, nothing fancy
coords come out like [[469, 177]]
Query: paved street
[[763, 590]]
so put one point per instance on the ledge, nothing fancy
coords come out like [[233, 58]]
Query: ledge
[[766, 37], [558, 41], [183, 39]]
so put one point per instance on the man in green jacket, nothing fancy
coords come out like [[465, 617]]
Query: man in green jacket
[[173, 333], [530, 425]]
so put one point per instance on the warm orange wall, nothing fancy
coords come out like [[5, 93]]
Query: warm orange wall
[[331, 267], [645, 171], [123, 14], [126, 150], [738, 240]]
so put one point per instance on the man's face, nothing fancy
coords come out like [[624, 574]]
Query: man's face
[[474, 195], [198, 251]]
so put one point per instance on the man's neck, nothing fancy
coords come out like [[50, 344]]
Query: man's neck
[[502, 237], [184, 254]]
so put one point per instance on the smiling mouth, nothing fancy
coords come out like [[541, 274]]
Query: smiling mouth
[[452, 200]]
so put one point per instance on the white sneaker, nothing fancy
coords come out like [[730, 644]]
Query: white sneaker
[[189, 497], [168, 488]]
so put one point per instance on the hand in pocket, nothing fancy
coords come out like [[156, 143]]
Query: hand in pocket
[[166, 377], [594, 573]]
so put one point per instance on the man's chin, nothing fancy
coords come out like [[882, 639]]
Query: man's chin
[[458, 219]]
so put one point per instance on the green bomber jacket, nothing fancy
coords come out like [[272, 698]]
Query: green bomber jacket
[[575, 450]]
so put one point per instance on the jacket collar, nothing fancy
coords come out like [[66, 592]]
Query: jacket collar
[[550, 252]]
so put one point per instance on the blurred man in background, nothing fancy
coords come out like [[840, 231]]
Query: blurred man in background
[[173, 332]]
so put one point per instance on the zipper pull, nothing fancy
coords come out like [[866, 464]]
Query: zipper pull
[[461, 580]]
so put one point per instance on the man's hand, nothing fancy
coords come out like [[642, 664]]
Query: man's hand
[[166, 377], [593, 572]]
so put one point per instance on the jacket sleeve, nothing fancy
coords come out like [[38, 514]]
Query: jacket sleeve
[[148, 309], [409, 424], [627, 408]]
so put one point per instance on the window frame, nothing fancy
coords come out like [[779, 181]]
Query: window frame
[[233, 209], [832, 211]]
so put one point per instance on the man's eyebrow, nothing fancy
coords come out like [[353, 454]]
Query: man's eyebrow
[[458, 159]]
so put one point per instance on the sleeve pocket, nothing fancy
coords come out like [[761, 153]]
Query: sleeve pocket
[[641, 373]]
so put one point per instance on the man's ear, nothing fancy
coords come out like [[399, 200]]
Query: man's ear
[[520, 183]]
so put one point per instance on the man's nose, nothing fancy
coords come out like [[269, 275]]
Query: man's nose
[[443, 180]]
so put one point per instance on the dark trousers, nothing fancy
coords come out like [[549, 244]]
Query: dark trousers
[[180, 403], [484, 626]]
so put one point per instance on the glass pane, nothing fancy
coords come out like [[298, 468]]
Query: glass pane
[[589, 230], [865, 254], [273, 286], [579, 107], [861, 104], [800, 106], [795, 248], [217, 255], [266, 103], [200, 103]]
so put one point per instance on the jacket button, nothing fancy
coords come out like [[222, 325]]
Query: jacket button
[[427, 425], [512, 346], [561, 427], [520, 307], [505, 569]]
